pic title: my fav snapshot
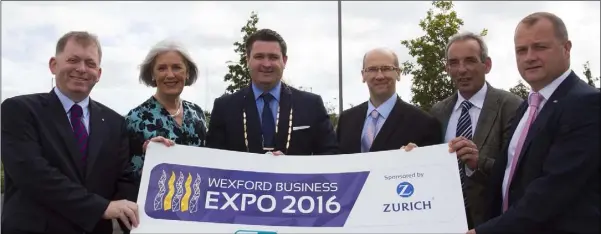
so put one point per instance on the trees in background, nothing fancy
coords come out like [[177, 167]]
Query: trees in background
[[239, 76], [430, 82], [589, 76]]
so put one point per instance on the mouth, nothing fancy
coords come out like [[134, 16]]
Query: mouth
[[533, 68], [170, 83], [77, 78], [464, 80]]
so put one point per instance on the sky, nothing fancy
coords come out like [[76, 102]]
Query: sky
[[127, 31]]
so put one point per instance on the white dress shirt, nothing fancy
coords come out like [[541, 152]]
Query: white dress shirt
[[546, 93], [478, 100]]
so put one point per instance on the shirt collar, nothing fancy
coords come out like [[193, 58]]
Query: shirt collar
[[385, 108], [477, 99], [548, 90], [68, 103], [275, 91]]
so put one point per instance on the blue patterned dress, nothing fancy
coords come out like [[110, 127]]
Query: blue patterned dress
[[150, 119]]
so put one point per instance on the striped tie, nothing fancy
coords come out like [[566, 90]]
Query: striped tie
[[79, 129], [464, 128]]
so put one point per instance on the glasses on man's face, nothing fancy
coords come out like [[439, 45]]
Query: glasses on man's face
[[383, 69]]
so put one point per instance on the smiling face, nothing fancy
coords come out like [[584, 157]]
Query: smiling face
[[380, 73], [76, 68], [466, 66], [540, 54], [266, 63], [170, 73]]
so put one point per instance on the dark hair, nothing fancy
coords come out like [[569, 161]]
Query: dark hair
[[81, 37], [265, 35], [561, 32]]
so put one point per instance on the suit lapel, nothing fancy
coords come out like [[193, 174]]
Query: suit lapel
[[61, 123], [355, 131], [487, 117], [253, 123], [395, 118], [546, 112], [446, 113], [97, 133], [284, 126]]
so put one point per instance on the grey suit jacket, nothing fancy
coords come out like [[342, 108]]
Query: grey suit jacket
[[492, 132]]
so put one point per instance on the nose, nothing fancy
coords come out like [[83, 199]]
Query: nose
[[81, 67], [170, 73], [531, 56]]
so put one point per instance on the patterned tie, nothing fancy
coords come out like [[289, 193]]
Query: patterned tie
[[268, 123], [534, 102], [370, 133], [464, 128], [79, 129]]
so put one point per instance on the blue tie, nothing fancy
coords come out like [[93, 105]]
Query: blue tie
[[268, 123], [464, 128]]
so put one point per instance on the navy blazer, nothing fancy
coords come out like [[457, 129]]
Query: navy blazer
[[555, 188], [314, 134]]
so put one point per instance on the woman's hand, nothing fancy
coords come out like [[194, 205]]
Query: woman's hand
[[165, 141]]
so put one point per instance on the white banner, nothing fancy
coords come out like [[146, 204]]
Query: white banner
[[188, 189]]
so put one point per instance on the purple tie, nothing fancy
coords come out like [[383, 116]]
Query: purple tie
[[79, 129]]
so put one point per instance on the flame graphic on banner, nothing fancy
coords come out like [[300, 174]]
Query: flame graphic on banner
[[179, 192], [158, 199], [167, 201], [186, 199], [180, 196]]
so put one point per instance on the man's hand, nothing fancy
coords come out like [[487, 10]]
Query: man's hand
[[409, 147], [124, 210], [466, 150], [165, 141], [473, 231], [278, 153]]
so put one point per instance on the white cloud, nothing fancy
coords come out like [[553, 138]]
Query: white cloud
[[127, 30]]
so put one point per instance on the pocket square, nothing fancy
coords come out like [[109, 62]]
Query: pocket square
[[300, 127]]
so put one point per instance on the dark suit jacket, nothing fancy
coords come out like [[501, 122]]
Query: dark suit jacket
[[555, 188], [226, 127], [406, 123], [48, 189], [492, 133]]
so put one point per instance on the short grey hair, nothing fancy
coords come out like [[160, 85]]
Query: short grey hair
[[162, 47], [464, 36]]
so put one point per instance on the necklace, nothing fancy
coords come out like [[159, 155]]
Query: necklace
[[277, 121], [179, 109]]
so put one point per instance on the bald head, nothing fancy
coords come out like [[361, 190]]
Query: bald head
[[380, 52]]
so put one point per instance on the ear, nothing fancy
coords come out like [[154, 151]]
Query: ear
[[487, 65], [99, 74], [52, 65], [567, 47], [285, 58], [446, 68]]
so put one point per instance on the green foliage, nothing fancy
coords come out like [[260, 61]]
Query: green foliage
[[238, 76], [589, 76], [430, 81], [521, 90]]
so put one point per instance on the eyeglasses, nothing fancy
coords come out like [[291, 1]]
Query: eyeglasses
[[383, 69]]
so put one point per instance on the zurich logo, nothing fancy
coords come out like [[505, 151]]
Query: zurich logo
[[405, 189]]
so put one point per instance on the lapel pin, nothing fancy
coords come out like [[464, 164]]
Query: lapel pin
[[554, 101], [102, 119]]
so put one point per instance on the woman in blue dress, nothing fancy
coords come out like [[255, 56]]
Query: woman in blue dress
[[165, 117]]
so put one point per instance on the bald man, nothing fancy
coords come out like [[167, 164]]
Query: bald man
[[387, 121]]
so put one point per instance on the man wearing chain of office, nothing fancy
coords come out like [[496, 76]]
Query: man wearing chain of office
[[269, 116]]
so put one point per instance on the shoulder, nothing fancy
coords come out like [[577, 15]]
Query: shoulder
[[438, 106], [228, 98], [355, 110], [304, 95], [506, 96], [107, 111], [415, 112], [136, 114], [27, 99]]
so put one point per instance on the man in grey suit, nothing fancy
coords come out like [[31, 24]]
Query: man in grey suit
[[478, 112]]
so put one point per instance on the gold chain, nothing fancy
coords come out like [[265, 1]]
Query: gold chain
[[277, 121]]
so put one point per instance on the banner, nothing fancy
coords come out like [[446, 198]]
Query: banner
[[187, 189]]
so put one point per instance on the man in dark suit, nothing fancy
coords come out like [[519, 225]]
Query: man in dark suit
[[270, 116], [65, 155], [384, 122], [476, 111], [547, 178]]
